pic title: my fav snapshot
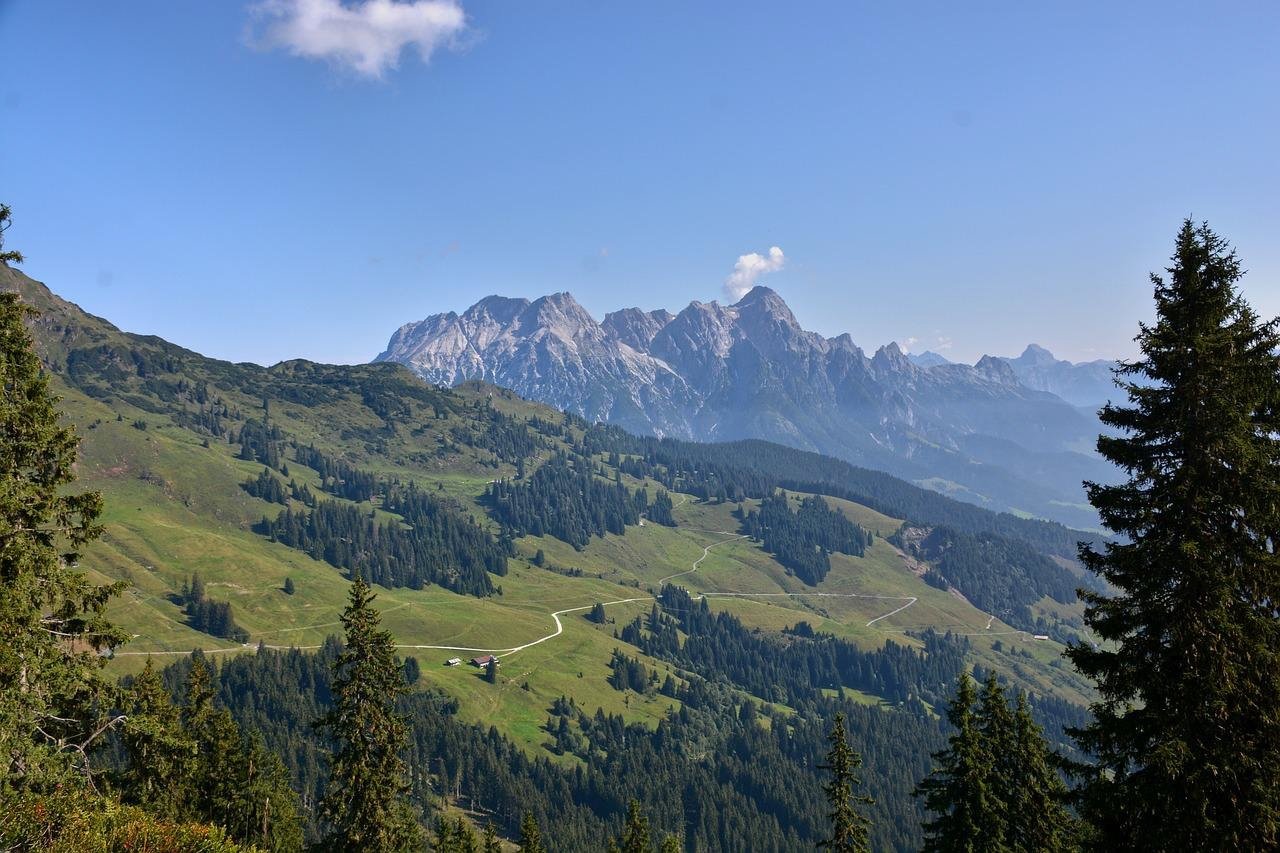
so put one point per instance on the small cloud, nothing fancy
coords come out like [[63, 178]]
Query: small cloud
[[943, 344], [749, 268], [906, 345], [368, 36]]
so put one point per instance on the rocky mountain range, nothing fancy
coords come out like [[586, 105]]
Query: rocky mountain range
[[749, 370], [1087, 383]]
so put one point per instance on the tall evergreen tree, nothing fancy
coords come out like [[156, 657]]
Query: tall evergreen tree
[[161, 755], [530, 835], [1187, 729], [1037, 819], [52, 621], [491, 842], [216, 736], [635, 832], [967, 814], [849, 826], [362, 804], [999, 742]]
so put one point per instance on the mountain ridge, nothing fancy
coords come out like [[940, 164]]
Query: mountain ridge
[[714, 372]]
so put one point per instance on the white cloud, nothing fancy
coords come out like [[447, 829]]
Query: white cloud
[[367, 36], [749, 268], [906, 345], [943, 344]]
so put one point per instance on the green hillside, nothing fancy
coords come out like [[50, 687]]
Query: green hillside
[[170, 438]]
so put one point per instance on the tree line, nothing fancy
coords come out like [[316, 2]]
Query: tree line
[[801, 540]]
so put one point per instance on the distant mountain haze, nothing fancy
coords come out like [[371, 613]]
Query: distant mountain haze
[[995, 433], [1088, 383]]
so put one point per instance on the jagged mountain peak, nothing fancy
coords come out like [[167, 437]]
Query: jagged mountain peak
[[1037, 355], [749, 370], [891, 359], [635, 327], [561, 315], [996, 369], [762, 303]]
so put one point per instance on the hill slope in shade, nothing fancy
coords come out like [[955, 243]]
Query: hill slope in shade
[[749, 370]]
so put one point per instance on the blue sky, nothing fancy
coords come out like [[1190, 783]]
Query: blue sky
[[260, 181]]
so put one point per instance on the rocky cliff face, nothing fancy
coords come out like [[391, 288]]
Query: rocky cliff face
[[749, 370]]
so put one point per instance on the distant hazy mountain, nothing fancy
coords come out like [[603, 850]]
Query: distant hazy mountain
[[1087, 383], [928, 358], [716, 372]]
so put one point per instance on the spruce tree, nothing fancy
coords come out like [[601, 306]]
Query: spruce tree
[[235, 782], [161, 755], [635, 832], [213, 783], [491, 842], [1038, 820], [996, 731], [264, 809], [530, 835], [362, 804], [849, 826], [967, 814], [52, 623], [1187, 729]]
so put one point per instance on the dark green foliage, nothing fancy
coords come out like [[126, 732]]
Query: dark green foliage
[[412, 671], [52, 622], [455, 836], [849, 826], [729, 798], [261, 442], [564, 498], [628, 673], [439, 545], [1187, 730], [10, 256], [597, 614], [1038, 821], [508, 438], [209, 616], [491, 671], [802, 539], [635, 832], [160, 755], [337, 477], [659, 511], [756, 469], [721, 647], [234, 781], [289, 587], [959, 791], [994, 788], [491, 842], [530, 835], [363, 806], [998, 575], [266, 486]]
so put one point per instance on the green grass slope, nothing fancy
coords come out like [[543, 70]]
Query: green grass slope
[[175, 507]]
